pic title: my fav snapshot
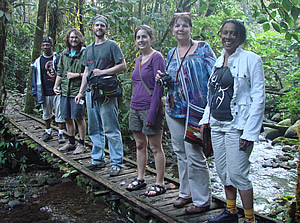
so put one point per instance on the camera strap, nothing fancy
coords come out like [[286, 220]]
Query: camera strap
[[146, 87], [170, 59], [181, 75], [178, 58]]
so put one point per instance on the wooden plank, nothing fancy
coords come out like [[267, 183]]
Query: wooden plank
[[80, 156], [167, 206], [106, 174], [125, 195], [168, 202], [160, 207], [128, 177], [125, 159], [102, 193]]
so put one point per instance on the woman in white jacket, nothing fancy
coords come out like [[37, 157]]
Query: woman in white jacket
[[235, 109]]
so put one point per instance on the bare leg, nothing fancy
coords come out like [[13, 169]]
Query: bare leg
[[81, 128], [70, 125], [48, 124], [247, 198], [61, 126], [141, 153], [159, 157], [230, 192]]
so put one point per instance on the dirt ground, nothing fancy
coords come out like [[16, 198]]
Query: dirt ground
[[63, 202]]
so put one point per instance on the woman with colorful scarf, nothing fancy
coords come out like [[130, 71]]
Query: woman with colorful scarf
[[189, 66]]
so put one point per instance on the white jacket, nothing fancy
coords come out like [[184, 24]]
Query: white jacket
[[248, 101]]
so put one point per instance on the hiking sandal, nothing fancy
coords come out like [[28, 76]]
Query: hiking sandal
[[136, 185], [157, 189]]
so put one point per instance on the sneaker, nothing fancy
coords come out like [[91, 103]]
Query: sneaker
[[61, 139], [115, 171], [67, 147], [46, 137], [93, 166], [79, 149]]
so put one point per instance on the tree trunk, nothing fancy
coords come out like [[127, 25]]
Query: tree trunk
[[209, 11], [3, 34], [52, 20], [140, 9], [156, 6], [80, 3], [39, 31]]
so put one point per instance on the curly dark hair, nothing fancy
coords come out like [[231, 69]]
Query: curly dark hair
[[240, 29], [77, 33]]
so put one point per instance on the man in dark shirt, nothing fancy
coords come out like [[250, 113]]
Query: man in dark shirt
[[43, 79], [103, 57]]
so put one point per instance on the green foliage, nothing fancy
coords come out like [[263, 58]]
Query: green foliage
[[23, 164], [281, 15], [281, 52], [17, 59], [69, 172], [3, 159], [10, 156], [281, 69], [278, 46], [291, 99], [82, 180]]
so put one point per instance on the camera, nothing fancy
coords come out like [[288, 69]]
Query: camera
[[166, 80]]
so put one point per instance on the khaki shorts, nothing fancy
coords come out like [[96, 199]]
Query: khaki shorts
[[52, 104], [138, 122]]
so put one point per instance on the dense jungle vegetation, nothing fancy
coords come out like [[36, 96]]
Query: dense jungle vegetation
[[272, 32]]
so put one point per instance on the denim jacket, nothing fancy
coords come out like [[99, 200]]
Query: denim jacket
[[37, 88], [248, 101]]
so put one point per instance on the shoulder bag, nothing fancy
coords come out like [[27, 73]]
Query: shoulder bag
[[194, 115], [105, 85]]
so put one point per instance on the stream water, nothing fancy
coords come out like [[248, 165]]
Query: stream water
[[268, 183], [64, 202]]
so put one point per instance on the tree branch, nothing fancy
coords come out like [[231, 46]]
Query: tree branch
[[263, 6]]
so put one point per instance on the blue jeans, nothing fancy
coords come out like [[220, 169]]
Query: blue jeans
[[103, 121]]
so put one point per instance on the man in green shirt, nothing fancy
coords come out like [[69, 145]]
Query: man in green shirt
[[69, 75]]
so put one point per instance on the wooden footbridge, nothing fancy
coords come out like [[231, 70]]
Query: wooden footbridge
[[142, 208]]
